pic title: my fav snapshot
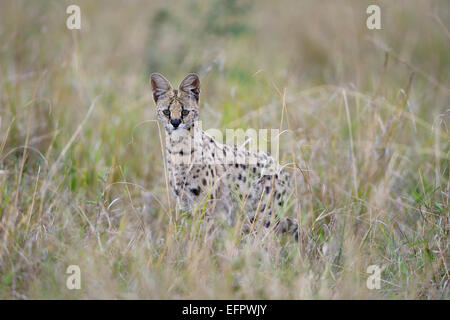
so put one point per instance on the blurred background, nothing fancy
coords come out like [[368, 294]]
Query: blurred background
[[81, 167], [238, 48]]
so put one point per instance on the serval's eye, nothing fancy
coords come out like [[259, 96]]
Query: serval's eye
[[184, 113], [166, 112]]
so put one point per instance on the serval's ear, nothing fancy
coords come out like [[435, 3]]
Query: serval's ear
[[160, 85], [191, 86]]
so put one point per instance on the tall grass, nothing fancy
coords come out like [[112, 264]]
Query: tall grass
[[365, 115]]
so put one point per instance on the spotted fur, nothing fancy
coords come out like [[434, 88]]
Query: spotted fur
[[200, 167]]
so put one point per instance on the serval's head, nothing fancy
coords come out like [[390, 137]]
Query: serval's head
[[176, 108]]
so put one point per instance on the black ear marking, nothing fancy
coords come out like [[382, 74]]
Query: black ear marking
[[191, 85], [160, 85]]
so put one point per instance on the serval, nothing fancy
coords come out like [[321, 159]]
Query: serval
[[201, 168]]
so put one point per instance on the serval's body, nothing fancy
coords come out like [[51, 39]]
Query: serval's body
[[200, 167]]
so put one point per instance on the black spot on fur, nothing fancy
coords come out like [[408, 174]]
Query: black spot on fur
[[196, 191]]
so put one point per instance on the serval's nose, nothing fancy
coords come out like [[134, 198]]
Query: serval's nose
[[175, 122]]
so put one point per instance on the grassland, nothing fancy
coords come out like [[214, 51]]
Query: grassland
[[366, 115]]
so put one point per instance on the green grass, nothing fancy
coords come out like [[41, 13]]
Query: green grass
[[82, 179]]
